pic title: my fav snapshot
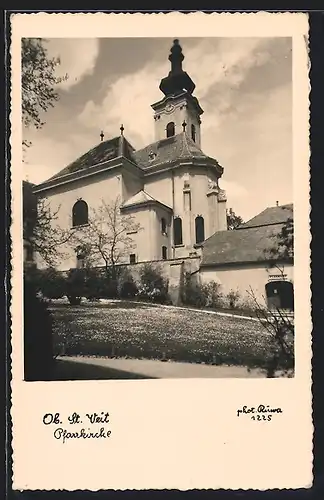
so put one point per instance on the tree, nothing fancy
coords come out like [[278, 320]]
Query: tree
[[106, 237], [283, 247], [38, 81], [233, 220], [39, 228]]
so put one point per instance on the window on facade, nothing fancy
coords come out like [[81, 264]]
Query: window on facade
[[200, 229], [163, 226], [177, 229], [193, 133], [164, 253], [170, 129], [79, 213], [132, 258], [280, 295]]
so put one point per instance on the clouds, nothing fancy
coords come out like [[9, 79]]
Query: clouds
[[78, 58], [243, 85]]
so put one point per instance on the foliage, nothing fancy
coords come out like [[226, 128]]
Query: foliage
[[40, 229], [106, 237], [52, 283], [283, 247], [38, 81], [233, 297], [153, 286], [233, 220], [76, 286], [279, 324], [38, 348], [127, 287], [201, 295]]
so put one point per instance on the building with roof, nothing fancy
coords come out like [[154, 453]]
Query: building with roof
[[242, 260], [170, 187]]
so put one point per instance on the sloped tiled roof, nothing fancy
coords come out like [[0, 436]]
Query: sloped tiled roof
[[271, 215], [167, 150], [250, 242], [140, 198], [104, 151]]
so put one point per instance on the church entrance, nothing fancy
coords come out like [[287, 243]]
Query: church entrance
[[280, 295]]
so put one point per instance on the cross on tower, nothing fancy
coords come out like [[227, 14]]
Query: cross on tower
[[102, 135], [184, 125]]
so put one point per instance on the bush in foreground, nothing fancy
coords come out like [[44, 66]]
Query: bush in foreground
[[38, 348]]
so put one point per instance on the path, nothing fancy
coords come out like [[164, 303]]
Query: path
[[106, 368]]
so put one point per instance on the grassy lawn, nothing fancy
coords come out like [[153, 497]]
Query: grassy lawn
[[127, 329]]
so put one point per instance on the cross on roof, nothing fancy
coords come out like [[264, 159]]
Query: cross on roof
[[122, 129], [102, 135]]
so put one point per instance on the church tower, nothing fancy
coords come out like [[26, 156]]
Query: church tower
[[179, 110]]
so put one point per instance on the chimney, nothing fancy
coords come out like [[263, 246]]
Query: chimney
[[277, 203]]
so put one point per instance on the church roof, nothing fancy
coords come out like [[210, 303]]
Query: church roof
[[104, 151], [165, 151], [141, 198], [250, 242]]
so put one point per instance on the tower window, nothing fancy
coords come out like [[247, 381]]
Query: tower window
[[177, 229], [79, 213], [164, 253], [163, 226], [193, 132], [200, 229], [170, 129], [132, 258]]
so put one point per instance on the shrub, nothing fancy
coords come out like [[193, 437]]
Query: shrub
[[127, 287], [153, 286], [76, 286], [233, 298], [201, 295], [38, 347], [212, 294], [52, 283]]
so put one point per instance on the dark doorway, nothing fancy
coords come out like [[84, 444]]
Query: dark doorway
[[280, 295]]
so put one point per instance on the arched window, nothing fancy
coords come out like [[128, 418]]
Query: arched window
[[170, 129], [177, 230], [164, 253], [193, 132], [280, 295], [200, 229], [163, 226], [79, 213]]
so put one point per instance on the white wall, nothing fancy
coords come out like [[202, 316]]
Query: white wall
[[242, 277]]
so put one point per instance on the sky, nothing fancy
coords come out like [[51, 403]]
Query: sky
[[244, 86]]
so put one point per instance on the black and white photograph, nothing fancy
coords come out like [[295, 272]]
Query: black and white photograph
[[161, 246], [158, 208]]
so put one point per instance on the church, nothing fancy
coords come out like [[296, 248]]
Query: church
[[170, 187]]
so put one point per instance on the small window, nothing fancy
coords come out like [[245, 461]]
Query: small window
[[170, 129], [79, 213], [193, 133], [200, 229], [132, 258], [164, 253], [163, 226], [177, 229]]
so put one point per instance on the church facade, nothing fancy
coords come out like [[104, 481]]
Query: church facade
[[171, 188]]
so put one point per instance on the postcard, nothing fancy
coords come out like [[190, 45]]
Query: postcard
[[161, 291]]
